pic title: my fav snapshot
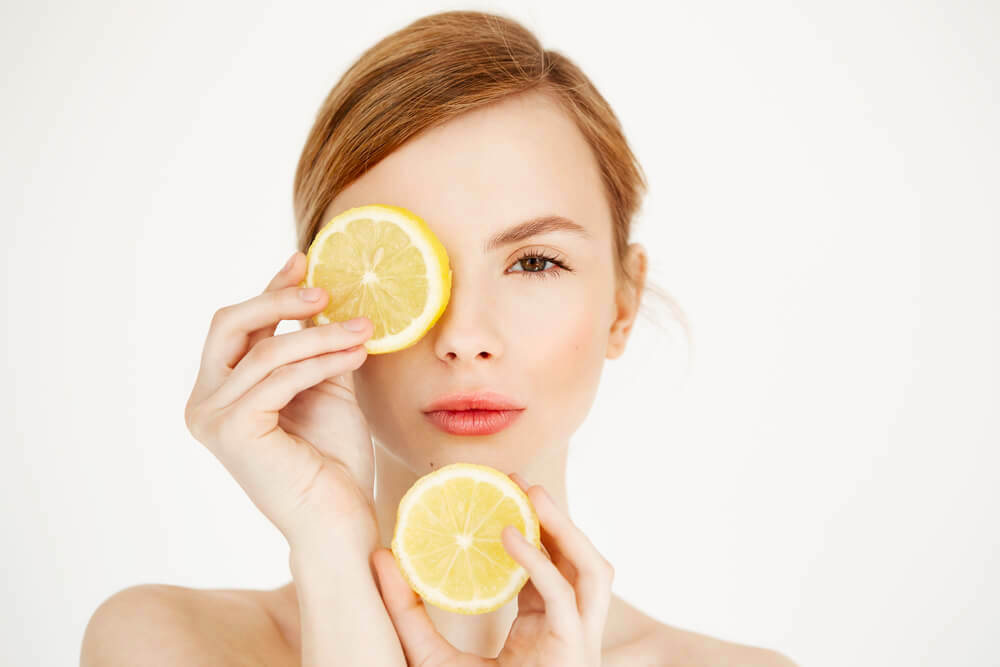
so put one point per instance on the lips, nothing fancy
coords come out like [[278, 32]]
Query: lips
[[478, 413], [473, 422], [482, 400]]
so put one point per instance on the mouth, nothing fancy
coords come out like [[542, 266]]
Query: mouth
[[473, 422]]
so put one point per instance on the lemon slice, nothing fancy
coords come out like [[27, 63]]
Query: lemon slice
[[447, 537], [382, 262]]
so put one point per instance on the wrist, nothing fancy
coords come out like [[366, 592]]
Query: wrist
[[333, 540], [342, 617]]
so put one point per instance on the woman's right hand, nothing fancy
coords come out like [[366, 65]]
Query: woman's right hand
[[280, 413]]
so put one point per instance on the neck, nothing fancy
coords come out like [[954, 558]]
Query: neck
[[482, 634]]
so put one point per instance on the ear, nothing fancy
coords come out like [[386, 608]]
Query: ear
[[627, 301]]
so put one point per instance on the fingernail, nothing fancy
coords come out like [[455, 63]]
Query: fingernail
[[288, 264], [311, 293], [357, 324]]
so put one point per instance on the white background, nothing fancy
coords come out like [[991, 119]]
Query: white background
[[821, 479]]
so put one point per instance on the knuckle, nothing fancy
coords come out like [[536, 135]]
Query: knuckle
[[335, 338], [201, 423], [266, 352], [284, 371], [190, 417], [289, 298], [221, 316], [609, 569]]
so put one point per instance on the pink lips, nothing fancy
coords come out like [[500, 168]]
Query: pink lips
[[480, 413], [473, 422]]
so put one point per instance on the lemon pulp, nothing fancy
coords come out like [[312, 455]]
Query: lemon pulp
[[447, 537], [385, 263]]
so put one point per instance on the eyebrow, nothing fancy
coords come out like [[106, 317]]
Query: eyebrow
[[535, 227]]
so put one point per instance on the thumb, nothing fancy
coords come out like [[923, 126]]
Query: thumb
[[417, 635]]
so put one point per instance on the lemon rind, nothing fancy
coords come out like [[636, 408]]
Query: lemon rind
[[434, 255], [506, 486]]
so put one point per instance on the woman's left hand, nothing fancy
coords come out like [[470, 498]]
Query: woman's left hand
[[561, 610]]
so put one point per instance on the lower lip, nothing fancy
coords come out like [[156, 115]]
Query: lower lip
[[472, 422]]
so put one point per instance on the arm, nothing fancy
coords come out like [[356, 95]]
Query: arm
[[342, 617]]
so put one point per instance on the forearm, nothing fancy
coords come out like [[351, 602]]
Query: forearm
[[342, 617]]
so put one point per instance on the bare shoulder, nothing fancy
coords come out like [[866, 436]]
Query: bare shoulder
[[160, 624], [636, 639]]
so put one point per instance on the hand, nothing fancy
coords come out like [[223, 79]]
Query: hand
[[279, 412], [561, 611]]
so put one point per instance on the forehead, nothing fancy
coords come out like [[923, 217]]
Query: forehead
[[489, 169]]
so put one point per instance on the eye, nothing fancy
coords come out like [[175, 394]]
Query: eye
[[535, 263]]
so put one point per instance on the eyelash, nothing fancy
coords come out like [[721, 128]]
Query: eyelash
[[542, 274]]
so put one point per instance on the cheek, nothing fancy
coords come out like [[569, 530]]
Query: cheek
[[565, 359], [567, 326], [569, 336]]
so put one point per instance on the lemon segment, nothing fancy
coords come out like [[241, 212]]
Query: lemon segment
[[385, 263], [447, 537]]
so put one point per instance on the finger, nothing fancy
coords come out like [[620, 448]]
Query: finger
[[417, 635], [286, 277], [524, 487], [594, 572], [289, 348], [529, 600], [231, 327], [285, 382], [519, 481], [556, 592]]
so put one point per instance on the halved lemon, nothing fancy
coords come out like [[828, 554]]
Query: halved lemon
[[447, 537], [382, 262]]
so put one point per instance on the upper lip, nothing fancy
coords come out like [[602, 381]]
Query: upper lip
[[479, 400]]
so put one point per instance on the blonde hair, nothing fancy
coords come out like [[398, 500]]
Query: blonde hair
[[432, 70]]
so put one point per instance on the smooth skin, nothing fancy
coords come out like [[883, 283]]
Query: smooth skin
[[293, 416], [252, 389]]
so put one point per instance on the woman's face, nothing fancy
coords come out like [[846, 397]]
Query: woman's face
[[527, 329]]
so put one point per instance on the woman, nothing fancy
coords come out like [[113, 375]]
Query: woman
[[521, 170]]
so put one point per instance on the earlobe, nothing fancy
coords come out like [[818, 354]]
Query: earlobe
[[627, 302]]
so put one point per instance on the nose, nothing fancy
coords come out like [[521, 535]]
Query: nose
[[467, 330]]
